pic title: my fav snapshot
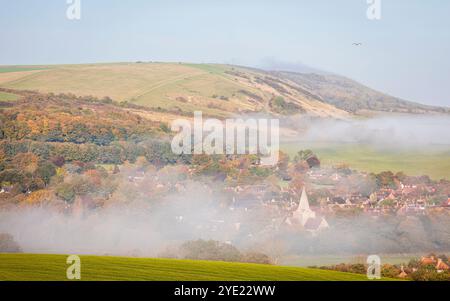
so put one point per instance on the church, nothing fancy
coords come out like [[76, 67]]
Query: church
[[307, 218]]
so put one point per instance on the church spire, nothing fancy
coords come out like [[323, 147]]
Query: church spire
[[304, 203]]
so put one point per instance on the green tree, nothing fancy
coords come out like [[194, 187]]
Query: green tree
[[45, 171], [210, 250], [66, 192]]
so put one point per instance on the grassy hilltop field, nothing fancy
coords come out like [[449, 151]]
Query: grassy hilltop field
[[26, 267], [218, 90], [173, 89], [213, 88]]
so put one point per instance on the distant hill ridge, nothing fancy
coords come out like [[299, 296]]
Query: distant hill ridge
[[352, 96], [217, 90]]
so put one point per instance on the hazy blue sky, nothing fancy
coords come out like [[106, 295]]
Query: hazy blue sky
[[406, 53]]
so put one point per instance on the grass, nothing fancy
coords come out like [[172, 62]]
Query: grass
[[8, 96], [434, 161], [148, 84], [31, 267], [19, 69], [171, 86]]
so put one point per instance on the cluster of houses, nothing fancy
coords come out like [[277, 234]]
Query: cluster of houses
[[412, 197], [286, 208], [282, 204], [409, 198], [437, 263]]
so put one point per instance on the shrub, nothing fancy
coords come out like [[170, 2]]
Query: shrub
[[66, 192], [390, 271], [256, 257], [45, 171], [58, 161], [279, 105], [210, 250], [424, 274], [165, 127]]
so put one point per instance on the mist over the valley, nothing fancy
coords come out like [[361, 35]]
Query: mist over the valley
[[141, 226], [137, 226], [384, 132]]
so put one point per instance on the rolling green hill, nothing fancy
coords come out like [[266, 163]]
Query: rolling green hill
[[22, 267], [219, 90]]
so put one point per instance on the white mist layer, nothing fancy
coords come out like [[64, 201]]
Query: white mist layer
[[109, 232], [385, 132], [135, 228]]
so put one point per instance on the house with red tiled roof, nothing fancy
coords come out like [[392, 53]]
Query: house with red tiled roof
[[428, 260], [441, 266]]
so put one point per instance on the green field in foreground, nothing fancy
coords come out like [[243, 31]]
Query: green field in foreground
[[21, 267], [434, 161]]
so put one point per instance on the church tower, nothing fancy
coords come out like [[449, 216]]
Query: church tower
[[304, 212]]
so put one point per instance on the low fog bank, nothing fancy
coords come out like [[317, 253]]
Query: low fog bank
[[391, 132], [135, 228], [112, 231]]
